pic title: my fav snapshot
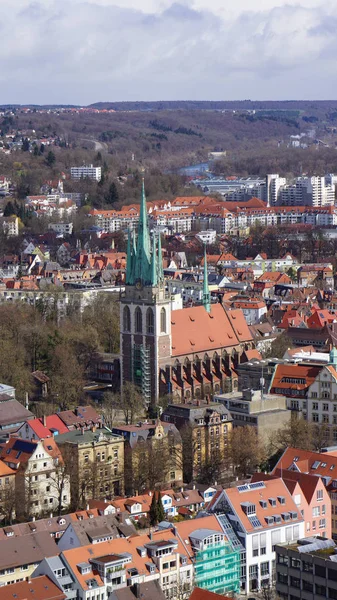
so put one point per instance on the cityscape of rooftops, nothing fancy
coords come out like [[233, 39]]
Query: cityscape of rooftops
[[168, 300]]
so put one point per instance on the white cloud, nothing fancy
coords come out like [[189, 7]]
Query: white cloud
[[79, 52]]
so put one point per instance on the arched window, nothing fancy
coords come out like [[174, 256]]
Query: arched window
[[163, 320], [138, 320], [126, 319], [149, 321]]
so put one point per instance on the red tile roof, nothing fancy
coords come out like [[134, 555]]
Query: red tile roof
[[38, 588], [195, 330]]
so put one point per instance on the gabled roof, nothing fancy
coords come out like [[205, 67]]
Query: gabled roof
[[37, 588], [195, 330], [239, 497], [27, 549], [323, 464]]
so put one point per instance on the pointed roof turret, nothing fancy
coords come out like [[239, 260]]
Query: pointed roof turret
[[206, 298]]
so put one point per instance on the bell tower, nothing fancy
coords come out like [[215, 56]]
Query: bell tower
[[145, 312]]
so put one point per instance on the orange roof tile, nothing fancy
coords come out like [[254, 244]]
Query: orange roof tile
[[195, 330]]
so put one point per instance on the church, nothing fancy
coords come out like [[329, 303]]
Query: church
[[187, 353]]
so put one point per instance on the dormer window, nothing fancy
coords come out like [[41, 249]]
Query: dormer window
[[281, 499], [272, 501]]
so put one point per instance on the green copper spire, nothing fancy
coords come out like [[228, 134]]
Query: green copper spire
[[160, 261], [206, 299], [142, 269], [154, 268], [128, 275]]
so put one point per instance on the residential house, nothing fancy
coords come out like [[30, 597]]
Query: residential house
[[41, 483], [12, 416], [82, 417], [19, 557], [322, 398], [147, 443], [261, 515], [322, 465], [95, 530], [95, 458], [7, 492], [40, 588], [45, 427], [205, 428], [293, 381], [150, 590], [41, 385], [310, 496]]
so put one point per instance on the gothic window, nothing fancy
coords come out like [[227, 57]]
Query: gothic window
[[163, 320], [149, 321], [138, 320], [126, 319]]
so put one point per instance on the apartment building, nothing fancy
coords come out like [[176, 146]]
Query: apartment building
[[261, 514], [89, 171], [41, 482], [19, 557], [205, 428], [95, 458], [321, 465], [310, 496], [110, 221], [322, 398], [307, 569]]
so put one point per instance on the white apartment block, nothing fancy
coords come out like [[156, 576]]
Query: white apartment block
[[89, 171], [261, 515], [61, 228], [273, 185]]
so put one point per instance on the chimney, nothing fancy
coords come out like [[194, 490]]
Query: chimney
[[136, 590], [93, 429], [82, 430], [193, 486], [45, 420], [87, 508], [51, 515], [33, 519]]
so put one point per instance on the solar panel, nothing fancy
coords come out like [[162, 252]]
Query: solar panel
[[257, 485], [255, 522], [24, 446], [243, 488], [316, 464]]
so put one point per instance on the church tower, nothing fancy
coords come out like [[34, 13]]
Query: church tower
[[145, 312]]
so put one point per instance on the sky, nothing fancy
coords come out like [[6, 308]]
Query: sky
[[80, 52]]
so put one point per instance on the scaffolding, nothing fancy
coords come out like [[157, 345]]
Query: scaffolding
[[217, 568], [142, 370]]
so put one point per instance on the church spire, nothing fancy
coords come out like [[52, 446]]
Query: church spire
[[143, 254], [160, 261], [206, 299]]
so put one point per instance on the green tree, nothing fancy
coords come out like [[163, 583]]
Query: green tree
[[51, 158], [112, 195], [160, 509], [153, 513], [130, 403], [25, 145]]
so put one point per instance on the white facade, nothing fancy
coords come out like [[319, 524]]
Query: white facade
[[208, 236], [63, 228], [322, 400], [89, 171]]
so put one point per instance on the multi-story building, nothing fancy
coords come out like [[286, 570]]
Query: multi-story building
[[19, 557], [306, 569], [273, 185], [41, 481], [310, 496], [89, 171], [205, 428], [266, 412], [144, 444], [10, 226], [322, 398], [261, 515], [95, 459], [320, 465]]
